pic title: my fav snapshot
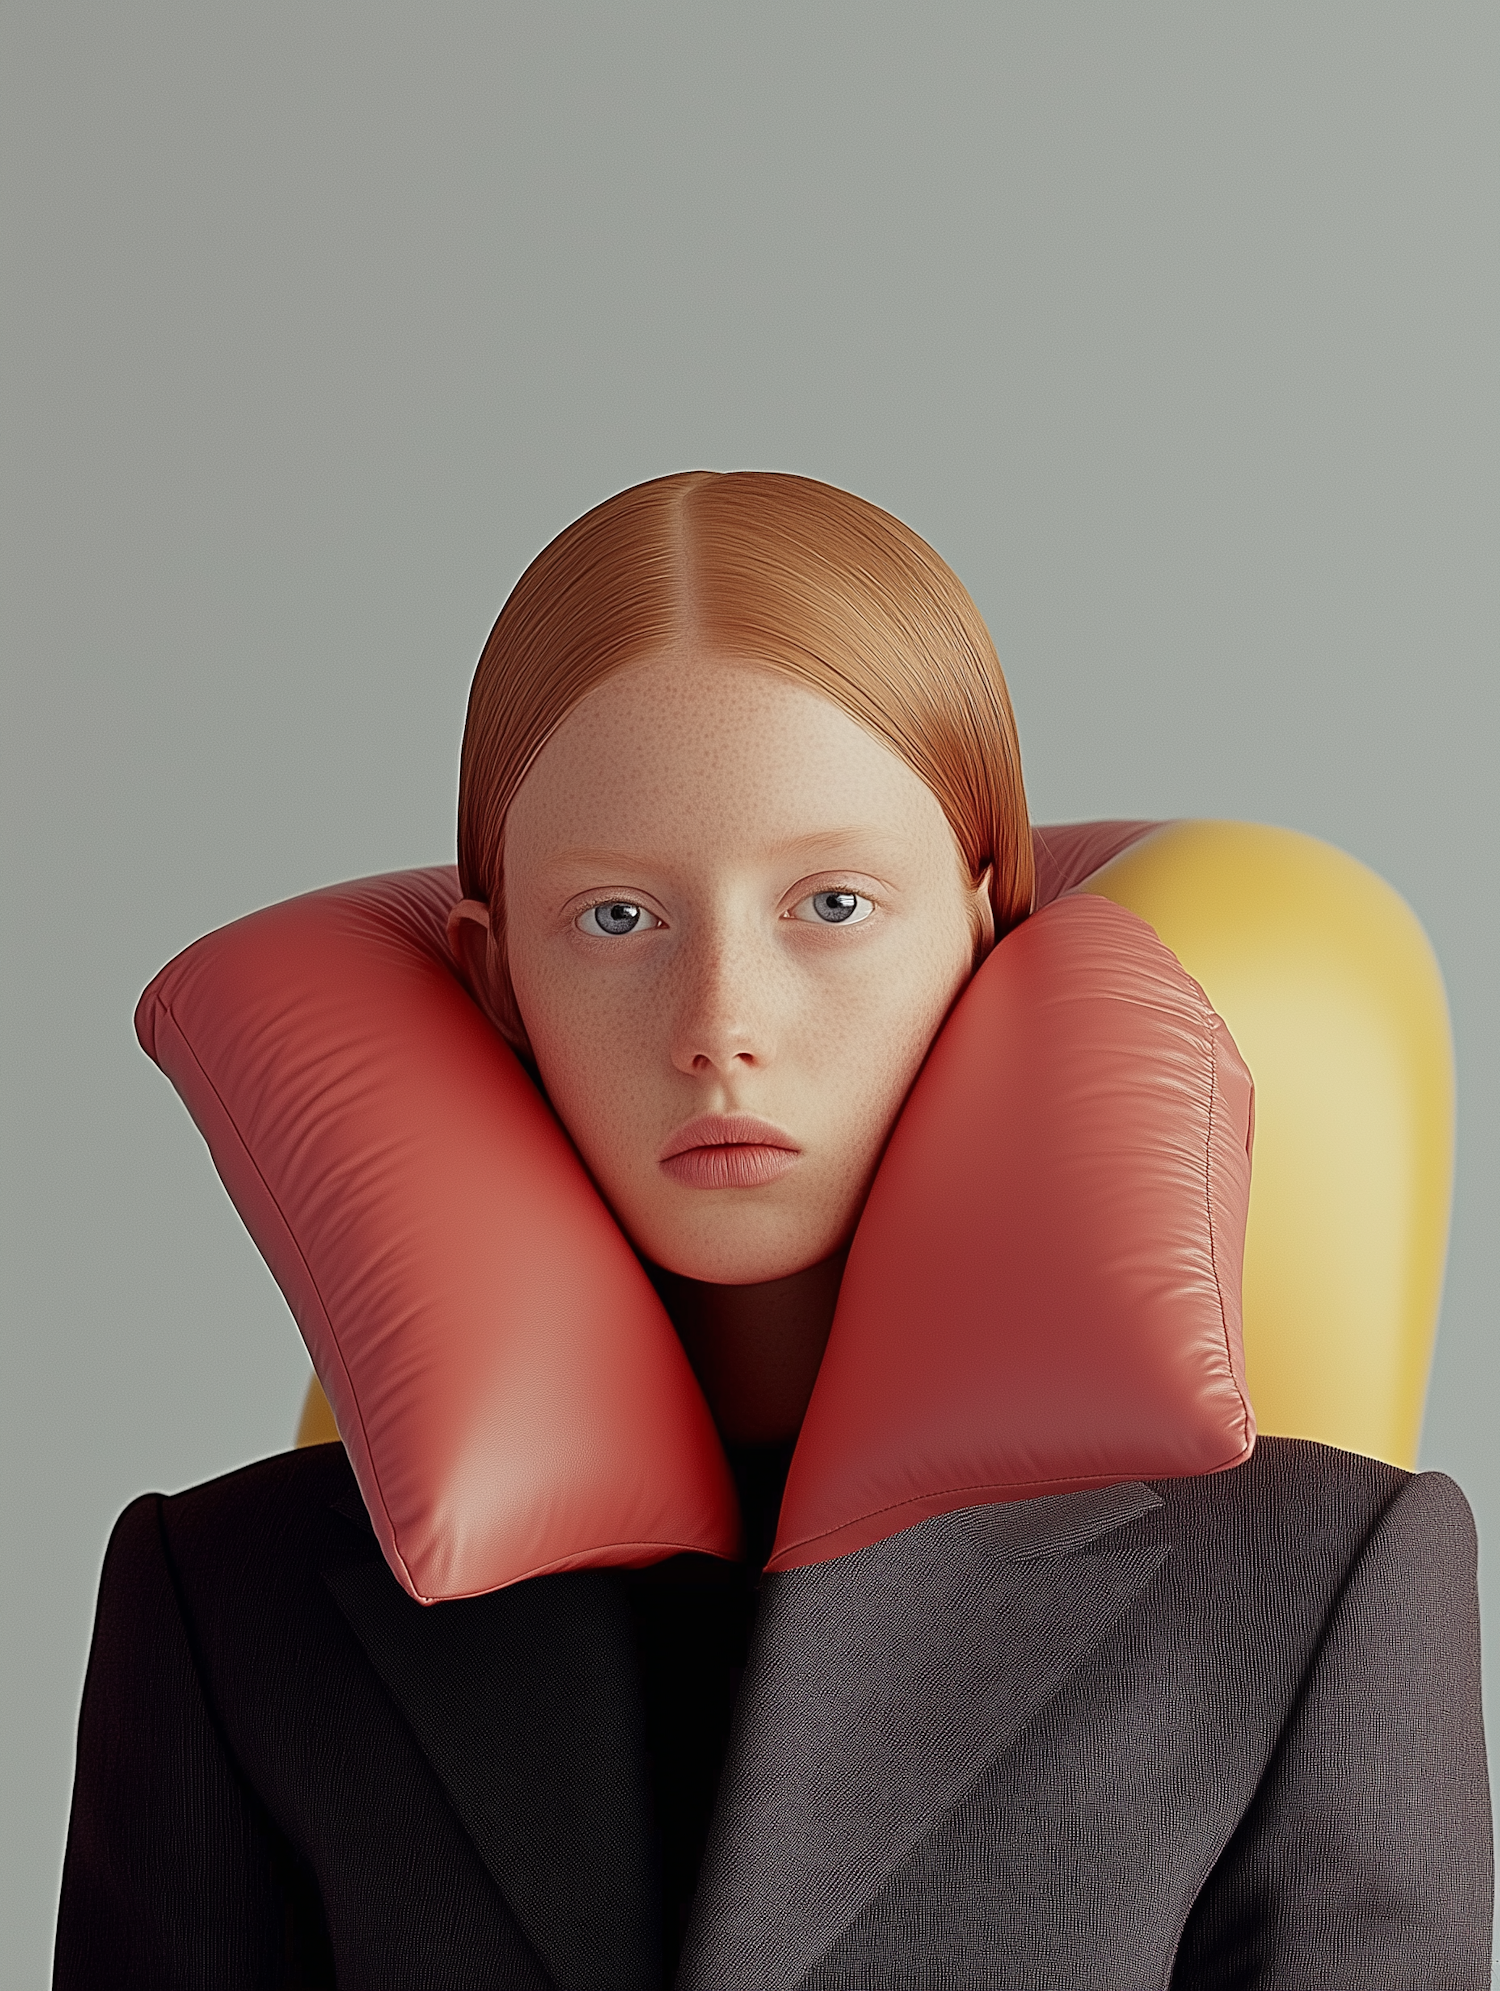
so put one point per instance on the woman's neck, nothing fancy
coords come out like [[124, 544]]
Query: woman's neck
[[755, 1349]]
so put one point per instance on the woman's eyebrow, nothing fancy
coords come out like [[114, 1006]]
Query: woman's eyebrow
[[854, 836], [595, 858], [833, 842]]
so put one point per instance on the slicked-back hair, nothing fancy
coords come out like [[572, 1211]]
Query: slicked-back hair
[[790, 575]]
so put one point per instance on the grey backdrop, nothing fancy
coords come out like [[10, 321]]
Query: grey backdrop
[[1173, 326]]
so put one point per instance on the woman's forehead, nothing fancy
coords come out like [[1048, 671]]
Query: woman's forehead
[[686, 745]]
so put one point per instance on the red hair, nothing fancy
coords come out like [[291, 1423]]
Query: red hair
[[788, 574]]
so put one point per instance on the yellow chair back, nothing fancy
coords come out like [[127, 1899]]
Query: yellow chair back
[[1334, 996], [315, 1426]]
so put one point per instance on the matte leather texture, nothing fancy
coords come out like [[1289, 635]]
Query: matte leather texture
[[512, 1394]]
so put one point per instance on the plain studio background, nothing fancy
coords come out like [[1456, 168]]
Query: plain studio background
[[1174, 327]]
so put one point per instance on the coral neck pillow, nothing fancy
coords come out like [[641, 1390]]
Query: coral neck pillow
[[1043, 1293]]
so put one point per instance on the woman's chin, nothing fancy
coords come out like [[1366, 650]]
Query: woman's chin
[[736, 1268], [732, 1255]]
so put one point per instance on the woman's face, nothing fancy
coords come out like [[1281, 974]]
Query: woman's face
[[734, 923]]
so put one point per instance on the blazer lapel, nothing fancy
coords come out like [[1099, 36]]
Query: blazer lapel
[[879, 1686], [527, 1705]]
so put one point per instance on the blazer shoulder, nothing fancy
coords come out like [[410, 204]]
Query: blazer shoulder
[[1433, 1512], [1303, 1514], [1276, 1548], [287, 1483], [1298, 1474], [263, 1531], [1308, 1477], [273, 1494], [1295, 1513]]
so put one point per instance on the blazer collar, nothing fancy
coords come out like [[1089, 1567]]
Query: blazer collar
[[879, 1687], [526, 1703]]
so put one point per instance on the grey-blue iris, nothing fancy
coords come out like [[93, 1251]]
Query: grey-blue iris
[[618, 918], [834, 906]]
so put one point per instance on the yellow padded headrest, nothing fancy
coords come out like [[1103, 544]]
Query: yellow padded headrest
[[1334, 997]]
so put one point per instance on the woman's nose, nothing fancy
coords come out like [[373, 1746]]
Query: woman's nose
[[723, 1021]]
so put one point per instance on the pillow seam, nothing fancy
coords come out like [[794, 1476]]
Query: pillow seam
[[1211, 1015]]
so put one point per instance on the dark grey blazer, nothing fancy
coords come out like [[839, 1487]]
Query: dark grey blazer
[[1215, 1732]]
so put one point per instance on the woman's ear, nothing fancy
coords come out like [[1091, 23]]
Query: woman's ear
[[471, 942], [468, 943]]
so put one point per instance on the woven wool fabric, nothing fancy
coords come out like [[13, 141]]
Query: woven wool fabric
[[1214, 1732]]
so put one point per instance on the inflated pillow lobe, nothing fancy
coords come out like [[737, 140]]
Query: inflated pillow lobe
[[512, 1396], [1043, 1291]]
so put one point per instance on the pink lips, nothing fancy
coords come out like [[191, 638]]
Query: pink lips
[[729, 1151]]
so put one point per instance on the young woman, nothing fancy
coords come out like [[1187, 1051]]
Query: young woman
[[740, 814]]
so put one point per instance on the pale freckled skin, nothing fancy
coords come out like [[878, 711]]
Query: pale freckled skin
[[719, 798]]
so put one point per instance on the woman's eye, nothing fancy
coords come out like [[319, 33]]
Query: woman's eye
[[834, 908], [614, 917]]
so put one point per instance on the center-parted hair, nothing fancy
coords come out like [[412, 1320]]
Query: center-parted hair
[[790, 575]]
